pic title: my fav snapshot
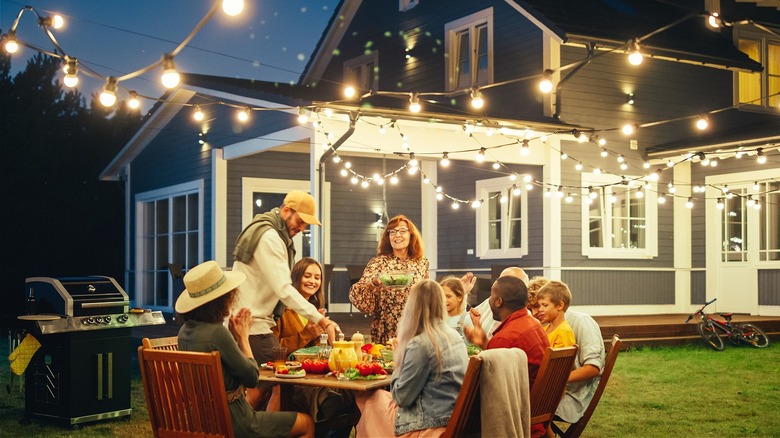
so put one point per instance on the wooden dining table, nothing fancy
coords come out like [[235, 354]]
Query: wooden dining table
[[286, 385]]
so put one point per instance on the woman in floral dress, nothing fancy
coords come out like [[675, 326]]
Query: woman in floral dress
[[400, 249]]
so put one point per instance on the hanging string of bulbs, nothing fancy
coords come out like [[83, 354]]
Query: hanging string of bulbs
[[170, 77]]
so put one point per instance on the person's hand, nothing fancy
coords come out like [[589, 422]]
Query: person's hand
[[393, 342], [323, 311], [240, 323], [475, 334], [468, 280], [315, 328], [330, 327]]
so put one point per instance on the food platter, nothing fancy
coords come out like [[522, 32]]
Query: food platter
[[291, 365], [396, 279], [297, 374]]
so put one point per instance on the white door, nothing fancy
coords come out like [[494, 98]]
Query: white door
[[741, 238]]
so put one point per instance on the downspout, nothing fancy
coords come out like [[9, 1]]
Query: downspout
[[571, 74], [321, 177]]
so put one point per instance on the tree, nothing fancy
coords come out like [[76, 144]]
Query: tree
[[56, 217]]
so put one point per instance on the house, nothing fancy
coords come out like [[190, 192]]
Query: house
[[547, 181]]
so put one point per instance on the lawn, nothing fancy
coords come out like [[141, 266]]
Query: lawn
[[653, 392]]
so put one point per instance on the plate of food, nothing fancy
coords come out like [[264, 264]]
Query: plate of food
[[291, 365], [396, 279], [286, 373]]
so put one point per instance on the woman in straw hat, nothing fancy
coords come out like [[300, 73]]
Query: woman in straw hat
[[204, 305]]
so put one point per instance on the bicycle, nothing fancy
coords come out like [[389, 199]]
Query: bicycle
[[708, 328]]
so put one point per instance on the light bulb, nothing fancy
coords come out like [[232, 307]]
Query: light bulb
[[11, 45], [662, 198], [71, 73], [170, 77], [108, 95], [414, 103], [232, 7], [525, 149], [243, 114], [133, 102], [546, 85], [702, 123], [349, 91], [480, 155], [302, 116], [628, 128], [476, 99], [713, 20], [635, 57], [445, 160], [578, 166], [689, 203], [197, 114]]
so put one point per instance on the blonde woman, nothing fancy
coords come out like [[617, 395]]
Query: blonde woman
[[431, 360]]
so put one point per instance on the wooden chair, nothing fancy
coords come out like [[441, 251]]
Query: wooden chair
[[465, 420], [185, 393], [575, 429], [170, 343], [550, 383]]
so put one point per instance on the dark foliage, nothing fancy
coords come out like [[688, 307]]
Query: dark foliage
[[56, 217]]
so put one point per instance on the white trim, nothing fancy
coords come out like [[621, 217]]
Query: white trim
[[469, 21], [331, 38], [483, 188], [683, 253], [267, 142], [607, 181], [764, 39], [552, 252], [183, 189], [429, 213], [219, 207]]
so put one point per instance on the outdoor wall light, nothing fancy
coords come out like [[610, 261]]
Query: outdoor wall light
[[170, 77], [108, 96], [630, 98], [714, 21]]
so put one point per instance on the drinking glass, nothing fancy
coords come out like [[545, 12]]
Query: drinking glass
[[280, 357]]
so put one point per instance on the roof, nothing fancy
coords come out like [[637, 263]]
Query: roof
[[611, 23]]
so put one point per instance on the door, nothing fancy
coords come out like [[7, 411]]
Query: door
[[744, 238]]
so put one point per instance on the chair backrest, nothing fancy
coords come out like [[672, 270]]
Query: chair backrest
[[185, 393], [170, 343], [465, 419], [355, 272], [576, 429], [550, 383]]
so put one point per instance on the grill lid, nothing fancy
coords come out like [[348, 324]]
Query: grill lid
[[77, 296]]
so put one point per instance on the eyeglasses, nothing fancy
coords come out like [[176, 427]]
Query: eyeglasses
[[399, 231]]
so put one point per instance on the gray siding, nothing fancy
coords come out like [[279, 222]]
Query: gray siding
[[768, 293], [619, 287], [698, 287], [457, 228]]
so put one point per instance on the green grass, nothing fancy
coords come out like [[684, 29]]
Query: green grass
[[653, 392]]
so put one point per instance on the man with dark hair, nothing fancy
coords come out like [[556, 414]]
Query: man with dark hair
[[518, 329]]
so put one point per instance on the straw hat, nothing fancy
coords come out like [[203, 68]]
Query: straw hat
[[204, 283], [303, 203]]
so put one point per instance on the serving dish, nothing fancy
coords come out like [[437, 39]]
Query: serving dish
[[396, 279]]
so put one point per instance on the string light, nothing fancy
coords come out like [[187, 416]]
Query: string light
[[720, 204], [662, 198], [525, 149], [445, 160], [476, 98], [760, 157], [71, 73], [349, 92], [414, 103], [232, 7], [243, 114], [480, 155], [702, 123], [133, 101], [635, 57], [197, 114], [108, 96], [689, 203], [546, 85], [302, 116], [11, 44], [170, 77]]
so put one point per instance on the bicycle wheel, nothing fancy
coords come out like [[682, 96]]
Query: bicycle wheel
[[753, 335], [710, 336]]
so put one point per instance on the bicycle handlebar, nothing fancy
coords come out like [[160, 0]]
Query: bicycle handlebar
[[700, 310]]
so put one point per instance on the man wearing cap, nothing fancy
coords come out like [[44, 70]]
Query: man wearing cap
[[265, 254]]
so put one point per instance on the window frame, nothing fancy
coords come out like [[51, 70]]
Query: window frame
[[144, 296], [451, 31], [483, 189], [764, 41], [362, 61], [605, 182]]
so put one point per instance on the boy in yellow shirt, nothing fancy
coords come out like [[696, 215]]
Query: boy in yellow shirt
[[553, 299]]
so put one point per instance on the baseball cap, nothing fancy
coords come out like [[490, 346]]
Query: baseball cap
[[303, 203]]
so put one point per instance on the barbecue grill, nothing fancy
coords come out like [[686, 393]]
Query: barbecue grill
[[81, 372]]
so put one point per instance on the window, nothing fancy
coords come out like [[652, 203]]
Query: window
[[769, 217], [169, 231], [734, 238], [469, 47], [618, 220], [754, 88], [502, 227], [405, 5], [363, 72]]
